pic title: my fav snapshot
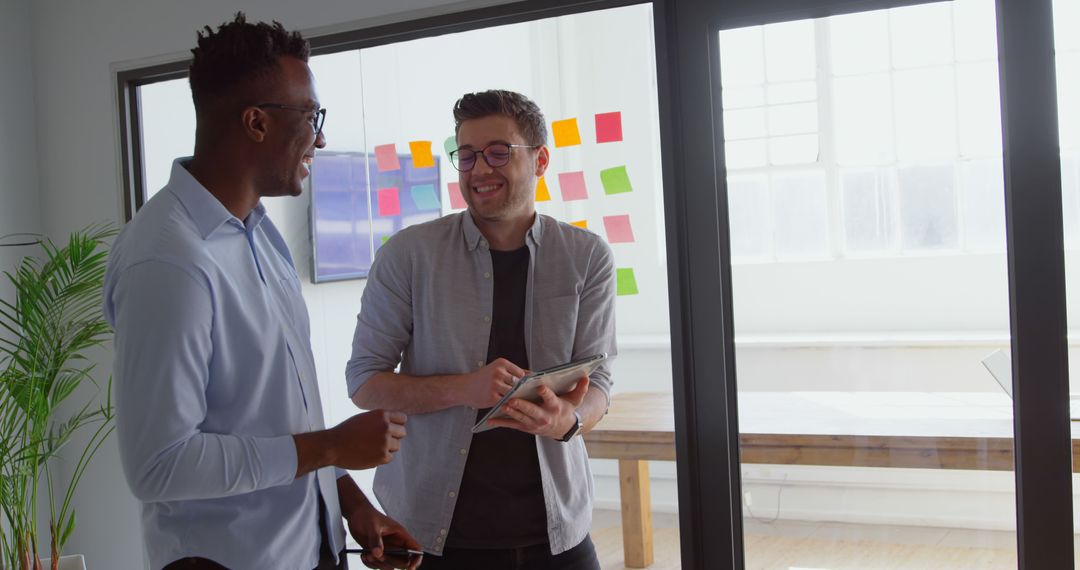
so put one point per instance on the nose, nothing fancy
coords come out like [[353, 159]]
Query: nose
[[320, 140], [481, 166]]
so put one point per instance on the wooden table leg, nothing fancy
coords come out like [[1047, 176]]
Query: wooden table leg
[[636, 513]]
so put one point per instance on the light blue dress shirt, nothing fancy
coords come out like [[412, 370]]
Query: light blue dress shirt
[[428, 304], [213, 374]]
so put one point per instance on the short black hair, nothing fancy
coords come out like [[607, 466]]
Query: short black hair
[[526, 114], [236, 53]]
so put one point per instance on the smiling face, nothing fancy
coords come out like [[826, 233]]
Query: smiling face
[[503, 194], [290, 142]]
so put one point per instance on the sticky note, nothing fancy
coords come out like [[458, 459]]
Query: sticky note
[[572, 186], [542, 194], [386, 157], [583, 224], [565, 132], [450, 145], [389, 204], [423, 195], [625, 282], [383, 240], [608, 127], [421, 154], [615, 180], [618, 229], [457, 201]]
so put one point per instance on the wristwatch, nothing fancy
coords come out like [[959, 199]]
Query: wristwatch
[[573, 429]]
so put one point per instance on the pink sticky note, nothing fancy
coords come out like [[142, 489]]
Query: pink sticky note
[[389, 204], [457, 201], [618, 229], [608, 127], [572, 186], [386, 156]]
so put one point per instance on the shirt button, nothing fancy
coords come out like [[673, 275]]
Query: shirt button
[[487, 275], [452, 494], [438, 539], [463, 451], [479, 363], [442, 531], [487, 319]]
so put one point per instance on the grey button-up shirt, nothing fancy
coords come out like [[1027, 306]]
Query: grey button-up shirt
[[427, 306]]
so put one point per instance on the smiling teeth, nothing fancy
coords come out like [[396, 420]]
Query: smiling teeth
[[307, 160], [483, 189]]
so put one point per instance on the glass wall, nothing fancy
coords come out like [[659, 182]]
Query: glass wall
[[866, 197]]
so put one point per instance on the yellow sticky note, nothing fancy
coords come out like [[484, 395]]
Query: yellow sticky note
[[566, 133], [421, 154], [583, 224], [542, 194]]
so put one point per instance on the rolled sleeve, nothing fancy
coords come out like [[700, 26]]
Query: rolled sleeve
[[384, 325], [163, 316], [595, 332]]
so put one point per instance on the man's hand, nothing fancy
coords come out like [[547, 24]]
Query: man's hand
[[376, 531], [483, 387], [552, 418], [367, 440], [363, 441]]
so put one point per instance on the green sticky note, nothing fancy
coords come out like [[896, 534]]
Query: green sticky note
[[450, 144], [626, 284], [615, 180], [385, 239]]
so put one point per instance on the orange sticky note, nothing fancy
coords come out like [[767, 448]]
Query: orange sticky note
[[457, 201], [618, 229], [583, 224], [566, 133], [421, 154], [542, 194]]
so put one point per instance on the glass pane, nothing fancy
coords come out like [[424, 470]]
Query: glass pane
[[868, 288], [167, 119], [1067, 54], [789, 51]]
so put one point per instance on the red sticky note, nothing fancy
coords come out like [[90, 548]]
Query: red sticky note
[[572, 186], [389, 204], [618, 229], [608, 127], [457, 201], [386, 157]]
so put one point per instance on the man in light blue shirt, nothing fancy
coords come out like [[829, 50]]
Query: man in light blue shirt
[[219, 417]]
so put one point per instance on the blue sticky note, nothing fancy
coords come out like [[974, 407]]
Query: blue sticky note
[[425, 198]]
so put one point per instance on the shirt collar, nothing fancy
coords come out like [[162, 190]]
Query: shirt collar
[[205, 210], [473, 237]]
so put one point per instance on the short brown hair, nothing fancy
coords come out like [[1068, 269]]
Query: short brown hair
[[525, 113]]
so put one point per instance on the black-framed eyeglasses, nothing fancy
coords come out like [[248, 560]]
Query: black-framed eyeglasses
[[317, 119], [495, 155]]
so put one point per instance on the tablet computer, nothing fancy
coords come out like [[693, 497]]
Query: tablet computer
[[561, 379]]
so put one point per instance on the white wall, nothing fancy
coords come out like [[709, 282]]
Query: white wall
[[18, 158], [77, 47]]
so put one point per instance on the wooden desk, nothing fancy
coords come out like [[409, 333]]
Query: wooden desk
[[864, 429]]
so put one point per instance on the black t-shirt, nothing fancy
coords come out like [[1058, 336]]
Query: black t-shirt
[[501, 500]]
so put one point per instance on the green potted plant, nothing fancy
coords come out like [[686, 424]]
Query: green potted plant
[[46, 331]]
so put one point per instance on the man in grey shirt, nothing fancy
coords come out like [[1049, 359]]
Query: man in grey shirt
[[466, 304]]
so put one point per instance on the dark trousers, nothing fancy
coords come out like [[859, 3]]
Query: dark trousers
[[539, 557], [325, 563]]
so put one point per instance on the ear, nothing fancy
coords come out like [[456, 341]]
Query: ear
[[542, 160], [255, 123]]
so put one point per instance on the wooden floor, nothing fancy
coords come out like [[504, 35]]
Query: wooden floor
[[820, 546]]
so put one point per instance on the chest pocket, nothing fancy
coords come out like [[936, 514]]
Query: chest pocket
[[556, 325]]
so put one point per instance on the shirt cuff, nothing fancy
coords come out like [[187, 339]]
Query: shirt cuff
[[279, 460]]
